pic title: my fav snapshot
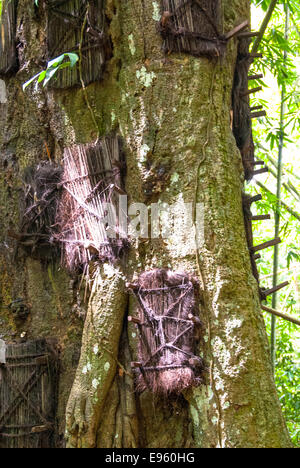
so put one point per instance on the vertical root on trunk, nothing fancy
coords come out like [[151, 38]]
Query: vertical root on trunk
[[98, 361]]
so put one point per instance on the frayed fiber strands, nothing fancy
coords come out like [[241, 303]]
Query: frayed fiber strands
[[92, 180], [169, 332]]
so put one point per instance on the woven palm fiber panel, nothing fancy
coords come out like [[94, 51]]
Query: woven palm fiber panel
[[92, 181], [169, 332], [28, 395], [40, 202], [242, 124], [8, 53], [66, 23], [192, 26]]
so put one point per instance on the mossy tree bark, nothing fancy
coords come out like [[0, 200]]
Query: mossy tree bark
[[174, 115]]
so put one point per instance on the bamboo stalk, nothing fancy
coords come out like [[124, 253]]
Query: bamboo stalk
[[255, 198], [288, 208], [255, 77], [289, 186], [265, 245], [134, 320], [256, 115], [133, 286], [292, 190], [245, 35], [194, 319], [269, 292], [194, 361], [261, 217], [261, 171], [136, 365], [251, 91], [252, 55], [256, 108], [275, 163], [278, 194], [237, 29]]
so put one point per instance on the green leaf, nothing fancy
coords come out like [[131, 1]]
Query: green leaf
[[53, 67], [30, 81], [42, 76], [56, 62], [73, 59]]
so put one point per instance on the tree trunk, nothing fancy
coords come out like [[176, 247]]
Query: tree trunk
[[173, 113]]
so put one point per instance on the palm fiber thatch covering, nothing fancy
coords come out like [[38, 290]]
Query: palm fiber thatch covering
[[192, 26], [92, 181], [41, 196], [28, 395], [8, 53], [167, 326], [72, 23]]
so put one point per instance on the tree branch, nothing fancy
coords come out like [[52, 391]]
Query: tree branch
[[290, 210], [291, 189], [285, 170], [296, 27], [267, 154], [289, 318], [264, 26]]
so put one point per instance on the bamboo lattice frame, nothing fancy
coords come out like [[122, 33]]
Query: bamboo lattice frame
[[8, 53], [192, 26], [66, 20], [28, 395], [168, 332]]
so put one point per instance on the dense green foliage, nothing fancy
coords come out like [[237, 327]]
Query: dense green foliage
[[281, 75]]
